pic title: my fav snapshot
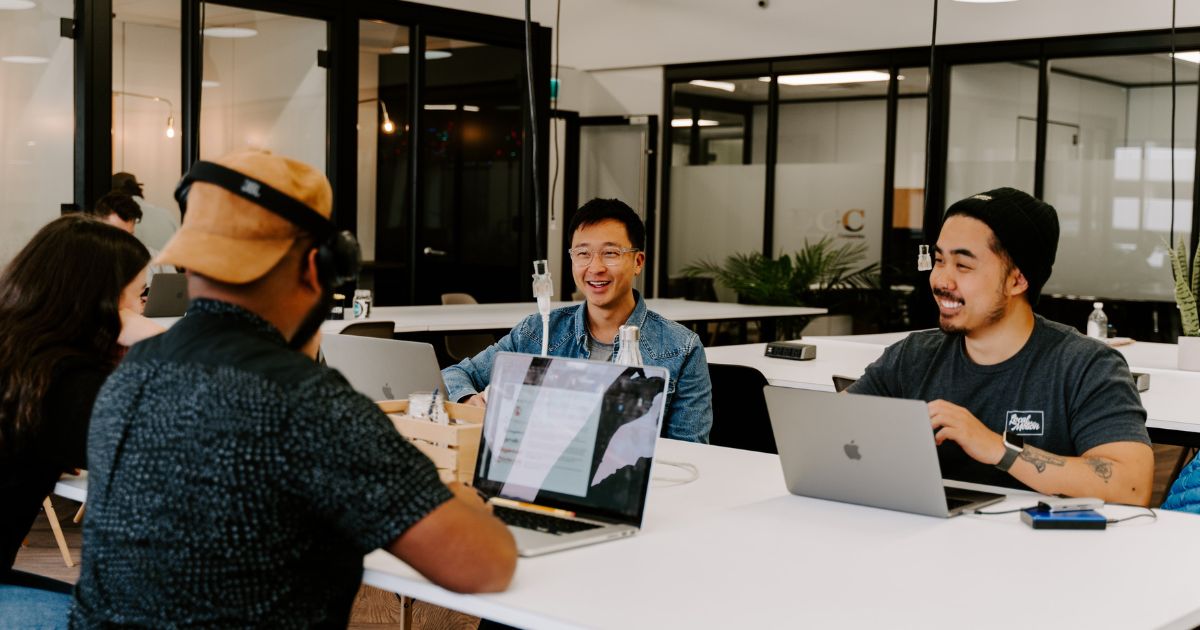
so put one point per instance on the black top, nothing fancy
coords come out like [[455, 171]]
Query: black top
[[1062, 392], [29, 471], [234, 482]]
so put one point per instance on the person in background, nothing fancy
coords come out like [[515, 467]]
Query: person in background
[[234, 481], [607, 254], [118, 209], [69, 306], [1184, 495], [122, 210], [158, 224], [1015, 399]]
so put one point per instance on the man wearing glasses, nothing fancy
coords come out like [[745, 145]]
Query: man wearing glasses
[[607, 243]]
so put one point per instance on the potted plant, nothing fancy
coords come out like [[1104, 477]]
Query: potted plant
[[821, 274], [1185, 299]]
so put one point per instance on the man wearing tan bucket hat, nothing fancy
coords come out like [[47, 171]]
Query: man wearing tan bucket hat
[[235, 482]]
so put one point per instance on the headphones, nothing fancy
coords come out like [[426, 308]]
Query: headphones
[[339, 258]]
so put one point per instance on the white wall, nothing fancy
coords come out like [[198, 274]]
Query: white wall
[[146, 62], [271, 93], [36, 123]]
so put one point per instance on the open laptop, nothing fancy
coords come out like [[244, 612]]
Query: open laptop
[[863, 449], [567, 448], [168, 296], [383, 369]]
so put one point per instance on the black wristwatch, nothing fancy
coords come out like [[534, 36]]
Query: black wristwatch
[[1013, 444]]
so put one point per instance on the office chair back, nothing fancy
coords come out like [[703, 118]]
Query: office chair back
[[378, 330], [460, 347], [740, 417], [840, 383]]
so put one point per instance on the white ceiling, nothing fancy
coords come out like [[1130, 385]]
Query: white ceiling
[[600, 34]]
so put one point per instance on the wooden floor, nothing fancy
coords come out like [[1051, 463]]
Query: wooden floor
[[373, 608]]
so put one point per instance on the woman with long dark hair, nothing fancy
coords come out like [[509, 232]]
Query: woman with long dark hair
[[70, 302]]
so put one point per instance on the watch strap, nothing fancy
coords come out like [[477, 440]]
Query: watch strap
[[1010, 457]]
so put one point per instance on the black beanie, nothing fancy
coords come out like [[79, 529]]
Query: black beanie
[[1026, 228]]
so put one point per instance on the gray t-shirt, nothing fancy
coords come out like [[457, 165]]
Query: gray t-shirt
[[1064, 392], [599, 350]]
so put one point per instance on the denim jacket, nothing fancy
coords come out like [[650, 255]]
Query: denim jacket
[[663, 343]]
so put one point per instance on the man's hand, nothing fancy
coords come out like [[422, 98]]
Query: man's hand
[[960, 426], [313, 346], [476, 400]]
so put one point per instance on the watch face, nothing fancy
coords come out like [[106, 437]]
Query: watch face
[[1015, 440]]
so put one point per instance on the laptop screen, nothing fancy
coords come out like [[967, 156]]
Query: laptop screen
[[570, 433]]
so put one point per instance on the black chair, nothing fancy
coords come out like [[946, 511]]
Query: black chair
[[840, 383], [740, 417], [378, 330]]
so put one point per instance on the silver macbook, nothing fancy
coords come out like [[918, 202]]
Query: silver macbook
[[863, 449], [383, 369], [567, 448], [168, 296]]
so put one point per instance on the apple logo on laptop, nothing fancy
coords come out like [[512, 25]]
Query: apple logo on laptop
[[387, 392], [852, 450]]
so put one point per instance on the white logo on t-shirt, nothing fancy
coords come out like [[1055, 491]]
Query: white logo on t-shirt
[[1025, 422]]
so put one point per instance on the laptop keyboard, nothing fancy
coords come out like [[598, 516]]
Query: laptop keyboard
[[540, 522]]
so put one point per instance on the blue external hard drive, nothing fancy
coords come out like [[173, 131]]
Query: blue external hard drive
[[1081, 519]]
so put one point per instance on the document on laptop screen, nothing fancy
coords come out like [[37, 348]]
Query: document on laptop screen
[[568, 427]]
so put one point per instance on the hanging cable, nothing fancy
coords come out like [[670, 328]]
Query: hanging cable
[[1172, 241], [557, 85], [533, 143], [929, 110]]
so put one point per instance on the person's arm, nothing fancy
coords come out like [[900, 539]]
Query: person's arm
[[460, 546], [136, 327], [1117, 472], [690, 415], [68, 410], [465, 379]]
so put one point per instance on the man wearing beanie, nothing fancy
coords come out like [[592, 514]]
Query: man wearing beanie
[[1015, 399], [234, 482]]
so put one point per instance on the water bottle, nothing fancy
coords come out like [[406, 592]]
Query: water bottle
[[629, 353], [1097, 325]]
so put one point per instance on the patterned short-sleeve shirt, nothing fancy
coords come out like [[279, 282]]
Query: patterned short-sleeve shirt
[[235, 482]]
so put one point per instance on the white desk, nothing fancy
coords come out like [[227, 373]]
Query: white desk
[[460, 317], [734, 550]]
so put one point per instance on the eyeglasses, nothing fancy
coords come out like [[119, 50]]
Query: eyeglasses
[[610, 256]]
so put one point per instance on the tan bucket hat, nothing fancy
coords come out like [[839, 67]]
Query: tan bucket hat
[[231, 239]]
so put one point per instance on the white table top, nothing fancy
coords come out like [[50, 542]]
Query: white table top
[[73, 487], [734, 550], [1141, 355], [454, 317], [1171, 402]]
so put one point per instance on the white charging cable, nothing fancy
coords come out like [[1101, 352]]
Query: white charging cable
[[543, 289], [693, 473]]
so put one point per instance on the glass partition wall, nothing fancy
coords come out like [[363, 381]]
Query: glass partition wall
[[840, 146], [36, 119]]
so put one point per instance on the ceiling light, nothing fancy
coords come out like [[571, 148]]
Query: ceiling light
[[830, 78], [716, 85], [25, 59], [687, 122], [16, 5], [210, 84], [470, 108], [1191, 55], [230, 32], [441, 108], [388, 126], [429, 54]]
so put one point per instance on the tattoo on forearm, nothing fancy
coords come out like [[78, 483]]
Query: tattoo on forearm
[[1102, 468], [1040, 459]]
